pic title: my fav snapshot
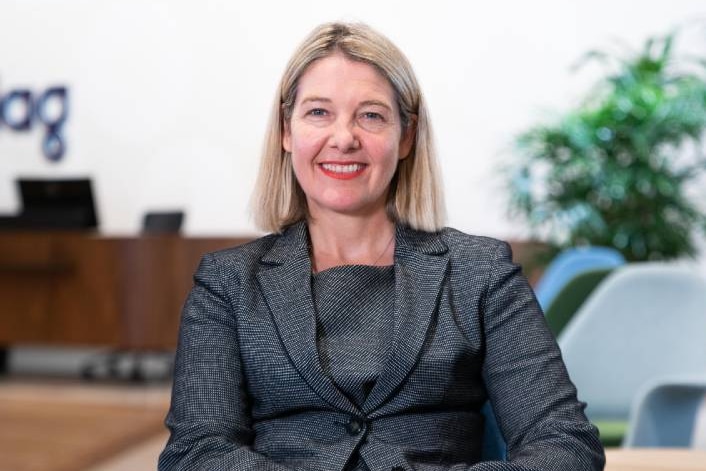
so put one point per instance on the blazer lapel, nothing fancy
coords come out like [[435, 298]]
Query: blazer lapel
[[285, 282], [421, 261]]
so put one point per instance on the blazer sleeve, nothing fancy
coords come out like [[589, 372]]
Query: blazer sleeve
[[209, 417], [534, 400]]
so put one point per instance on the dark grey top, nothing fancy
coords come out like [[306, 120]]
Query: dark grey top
[[354, 324]]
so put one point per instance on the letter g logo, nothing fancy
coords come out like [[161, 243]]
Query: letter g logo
[[19, 110]]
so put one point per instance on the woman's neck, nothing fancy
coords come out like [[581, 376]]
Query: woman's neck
[[351, 241]]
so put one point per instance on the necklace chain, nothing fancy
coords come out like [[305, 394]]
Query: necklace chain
[[389, 242], [384, 251]]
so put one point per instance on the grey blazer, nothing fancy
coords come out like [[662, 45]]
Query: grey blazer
[[250, 394]]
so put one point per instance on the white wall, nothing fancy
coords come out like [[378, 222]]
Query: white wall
[[169, 99]]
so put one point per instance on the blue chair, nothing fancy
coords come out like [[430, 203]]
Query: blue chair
[[572, 262], [667, 414], [494, 447], [643, 322], [571, 297]]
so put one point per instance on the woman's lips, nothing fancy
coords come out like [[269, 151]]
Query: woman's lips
[[342, 171]]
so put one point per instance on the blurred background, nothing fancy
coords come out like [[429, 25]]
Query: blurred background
[[158, 108]]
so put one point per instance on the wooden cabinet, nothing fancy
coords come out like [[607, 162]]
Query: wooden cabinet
[[72, 288]]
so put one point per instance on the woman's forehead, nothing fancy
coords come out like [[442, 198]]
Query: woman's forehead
[[338, 77]]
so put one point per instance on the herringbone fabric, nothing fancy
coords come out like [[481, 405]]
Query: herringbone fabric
[[250, 392], [355, 316]]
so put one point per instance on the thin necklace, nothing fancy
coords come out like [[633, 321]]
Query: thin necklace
[[315, 269], [389, 242]]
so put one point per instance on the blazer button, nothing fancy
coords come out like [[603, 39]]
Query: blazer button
[[354, 425]]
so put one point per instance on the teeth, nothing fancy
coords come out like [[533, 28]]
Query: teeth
[[342, 168]]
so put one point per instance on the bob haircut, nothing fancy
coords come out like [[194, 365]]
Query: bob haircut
[[415, 197]]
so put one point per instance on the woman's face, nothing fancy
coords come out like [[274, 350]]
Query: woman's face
[[345, 137]]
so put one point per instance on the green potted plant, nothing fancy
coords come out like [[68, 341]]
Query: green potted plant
[[617, 170]]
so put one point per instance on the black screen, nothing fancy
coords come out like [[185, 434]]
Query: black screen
[[57, 203]]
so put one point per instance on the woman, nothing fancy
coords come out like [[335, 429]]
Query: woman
[[360, 334]]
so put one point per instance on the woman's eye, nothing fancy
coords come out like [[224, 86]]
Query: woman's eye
[[373, 121], [373, 116], [317, 112]]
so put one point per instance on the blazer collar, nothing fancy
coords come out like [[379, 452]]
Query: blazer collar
[[421, 260], [292, 243], [285, 282]]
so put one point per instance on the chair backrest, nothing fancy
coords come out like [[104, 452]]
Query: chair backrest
[[168, 222], [644, 321], [494, 447], [568, 301], [666, 414], [570, 263]]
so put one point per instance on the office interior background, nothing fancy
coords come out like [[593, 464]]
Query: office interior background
[[168, 100]]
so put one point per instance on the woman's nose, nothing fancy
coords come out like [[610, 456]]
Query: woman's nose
[[344, 137]]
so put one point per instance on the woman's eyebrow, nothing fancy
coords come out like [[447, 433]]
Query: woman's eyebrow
[[375, 103], [315, 98]]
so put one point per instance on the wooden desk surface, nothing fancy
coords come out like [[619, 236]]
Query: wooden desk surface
[[655, 459]]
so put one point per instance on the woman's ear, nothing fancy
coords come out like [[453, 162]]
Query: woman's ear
[[409, 134]]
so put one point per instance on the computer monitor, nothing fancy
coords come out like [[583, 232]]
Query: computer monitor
[[57, 203]]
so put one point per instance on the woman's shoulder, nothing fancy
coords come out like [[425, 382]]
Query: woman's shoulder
[[272, 248], [459, 243], [463, 246], [244, 254], [454, 237], [463, 250]]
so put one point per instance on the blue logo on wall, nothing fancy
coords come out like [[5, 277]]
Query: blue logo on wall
[[20, 110]]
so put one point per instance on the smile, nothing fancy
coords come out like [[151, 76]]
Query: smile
[[342, 171]]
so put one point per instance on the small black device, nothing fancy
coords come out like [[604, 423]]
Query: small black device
[[54, 204]]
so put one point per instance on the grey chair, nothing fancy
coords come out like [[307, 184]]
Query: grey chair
[[643, 322], [670, 413]]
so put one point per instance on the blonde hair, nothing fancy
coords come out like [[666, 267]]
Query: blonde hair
[[415, 196]]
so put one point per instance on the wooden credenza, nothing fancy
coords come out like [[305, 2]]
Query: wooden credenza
[[79, 289], [74, 288]]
